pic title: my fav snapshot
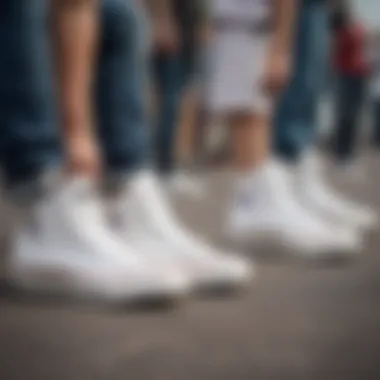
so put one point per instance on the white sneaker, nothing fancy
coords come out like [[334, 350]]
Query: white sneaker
[[317, 196], [185, 184], [150, 223], [266, 206], [65, 248]]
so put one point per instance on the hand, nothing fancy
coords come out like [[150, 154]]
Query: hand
[[277, 72], [82, 155], [166, 37]]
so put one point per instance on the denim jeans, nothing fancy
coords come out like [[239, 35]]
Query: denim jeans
[[121, 81], [295, 118], [29, 141], [171, 72], [350, 96]]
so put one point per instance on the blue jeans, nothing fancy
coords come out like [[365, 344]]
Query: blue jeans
[[167, 73], [295, 118], [350, 95], [29, 141], [120, 87], [171, 72]]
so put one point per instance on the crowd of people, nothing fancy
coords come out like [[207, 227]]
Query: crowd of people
[[91, 94]]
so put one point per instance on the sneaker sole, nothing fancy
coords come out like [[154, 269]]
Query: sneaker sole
[[54, 286]]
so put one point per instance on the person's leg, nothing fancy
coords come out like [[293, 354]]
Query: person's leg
[[250, 134], [376, 122], [296, 120], [272, 205], [288, 107], [350, 94], [121, 88], [264, 201], [176, 114], [344, 124], [318, 71], [314, 192], [172, 72], [30, 136], [138, 211], [64, 246], [235, 91], [296, 112], [168, 82]]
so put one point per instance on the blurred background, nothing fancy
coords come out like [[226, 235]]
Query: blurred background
[[296, 321]]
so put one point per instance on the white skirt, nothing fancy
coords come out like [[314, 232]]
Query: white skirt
[[235, 69]]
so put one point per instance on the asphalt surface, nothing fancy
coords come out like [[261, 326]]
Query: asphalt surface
[[297, 320]]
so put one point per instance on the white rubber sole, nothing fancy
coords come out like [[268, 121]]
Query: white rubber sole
[[64, 285], [274, 240]]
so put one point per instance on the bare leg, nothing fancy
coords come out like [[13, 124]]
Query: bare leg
[[250, 133], [74, 25]]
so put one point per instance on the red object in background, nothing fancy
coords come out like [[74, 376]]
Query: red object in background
[[349, 50]]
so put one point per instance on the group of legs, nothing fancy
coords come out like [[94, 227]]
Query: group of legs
[[114, 236], [121, 240], [282, 187]]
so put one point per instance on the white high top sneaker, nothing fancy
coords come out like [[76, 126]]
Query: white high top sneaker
[[265, 206], [65, 248], [155, 233], [317, 196]]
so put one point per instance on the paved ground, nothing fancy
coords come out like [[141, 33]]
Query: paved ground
[[296, 322]]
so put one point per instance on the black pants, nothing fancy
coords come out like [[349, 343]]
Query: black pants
[[350, 95]]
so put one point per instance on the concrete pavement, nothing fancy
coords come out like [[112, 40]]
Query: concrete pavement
[[296, 322]]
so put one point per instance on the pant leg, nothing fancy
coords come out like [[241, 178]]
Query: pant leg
[[121, 87], [29, 132], [190, 60], [168, 79], [350, 98], [376, 122], [295, 117]]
